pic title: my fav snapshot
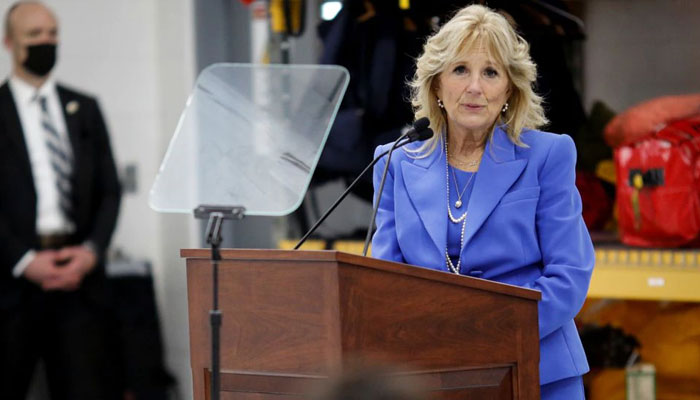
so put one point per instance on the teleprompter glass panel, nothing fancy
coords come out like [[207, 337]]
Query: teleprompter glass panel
[[250, 136]]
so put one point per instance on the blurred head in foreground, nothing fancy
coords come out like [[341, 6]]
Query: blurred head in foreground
[[371, 383]]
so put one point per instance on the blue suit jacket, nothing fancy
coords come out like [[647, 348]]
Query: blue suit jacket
[[524, 227]]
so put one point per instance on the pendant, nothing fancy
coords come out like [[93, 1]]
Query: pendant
[[458, 203]]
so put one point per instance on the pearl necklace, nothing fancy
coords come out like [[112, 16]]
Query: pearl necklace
[[450, 265], [463, 218]]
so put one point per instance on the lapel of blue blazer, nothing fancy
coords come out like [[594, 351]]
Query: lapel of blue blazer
[[498, 170], [425, 182], [424, 179]]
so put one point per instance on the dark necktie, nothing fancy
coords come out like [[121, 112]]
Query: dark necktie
[[61, 160]]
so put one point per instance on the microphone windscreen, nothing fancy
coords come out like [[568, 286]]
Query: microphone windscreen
[[425, 134], [421, 124]]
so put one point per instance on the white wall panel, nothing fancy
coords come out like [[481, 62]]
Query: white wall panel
[[640, 49]]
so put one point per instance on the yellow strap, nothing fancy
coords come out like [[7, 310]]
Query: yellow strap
[[605, 170]]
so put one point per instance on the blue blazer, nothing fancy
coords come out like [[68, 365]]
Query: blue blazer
[[524, 227]]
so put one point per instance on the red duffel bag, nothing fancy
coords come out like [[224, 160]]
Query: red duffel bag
[[658, 187], [638, 121]]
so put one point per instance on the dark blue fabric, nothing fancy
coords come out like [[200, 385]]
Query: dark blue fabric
[[379, 53]]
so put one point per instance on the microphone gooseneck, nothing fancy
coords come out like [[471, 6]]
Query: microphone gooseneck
[[412, 135]]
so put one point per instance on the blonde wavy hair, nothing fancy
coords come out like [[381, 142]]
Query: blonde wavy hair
[[470, 28]]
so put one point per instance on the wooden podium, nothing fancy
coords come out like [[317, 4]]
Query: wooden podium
[[290, 318]]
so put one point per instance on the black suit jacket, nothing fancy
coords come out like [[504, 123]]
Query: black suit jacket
[[96, 190]]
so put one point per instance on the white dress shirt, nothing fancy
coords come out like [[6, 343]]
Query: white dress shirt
[[50, 218]]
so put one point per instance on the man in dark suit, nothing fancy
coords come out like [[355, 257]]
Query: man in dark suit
[[59, 200]]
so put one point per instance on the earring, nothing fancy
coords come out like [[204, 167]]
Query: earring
[[440, 104], [505, 108]]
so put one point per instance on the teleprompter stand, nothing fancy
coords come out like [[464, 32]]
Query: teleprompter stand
[[215, 216], [247, 143]]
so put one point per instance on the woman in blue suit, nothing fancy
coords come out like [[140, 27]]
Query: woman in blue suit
[[490, 196]]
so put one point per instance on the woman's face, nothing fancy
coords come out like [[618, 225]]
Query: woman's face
[[473, 89]]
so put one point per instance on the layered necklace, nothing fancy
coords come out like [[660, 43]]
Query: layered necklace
[[458, 204]]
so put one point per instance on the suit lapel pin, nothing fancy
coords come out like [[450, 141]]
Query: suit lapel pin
[[72, 107]]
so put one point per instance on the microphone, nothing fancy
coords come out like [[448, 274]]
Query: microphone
[[418, 132], [419, 136], [418, 127]]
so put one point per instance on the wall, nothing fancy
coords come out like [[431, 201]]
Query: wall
[[137, 58], [175, 76], [640, 49]]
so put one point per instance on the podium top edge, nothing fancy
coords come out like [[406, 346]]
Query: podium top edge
[[367, 262]]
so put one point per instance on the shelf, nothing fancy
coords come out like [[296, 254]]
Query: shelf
[[620, 272], [347, 246], [641, 274]]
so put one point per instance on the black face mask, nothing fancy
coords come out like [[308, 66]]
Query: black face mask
[[40, 58]]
